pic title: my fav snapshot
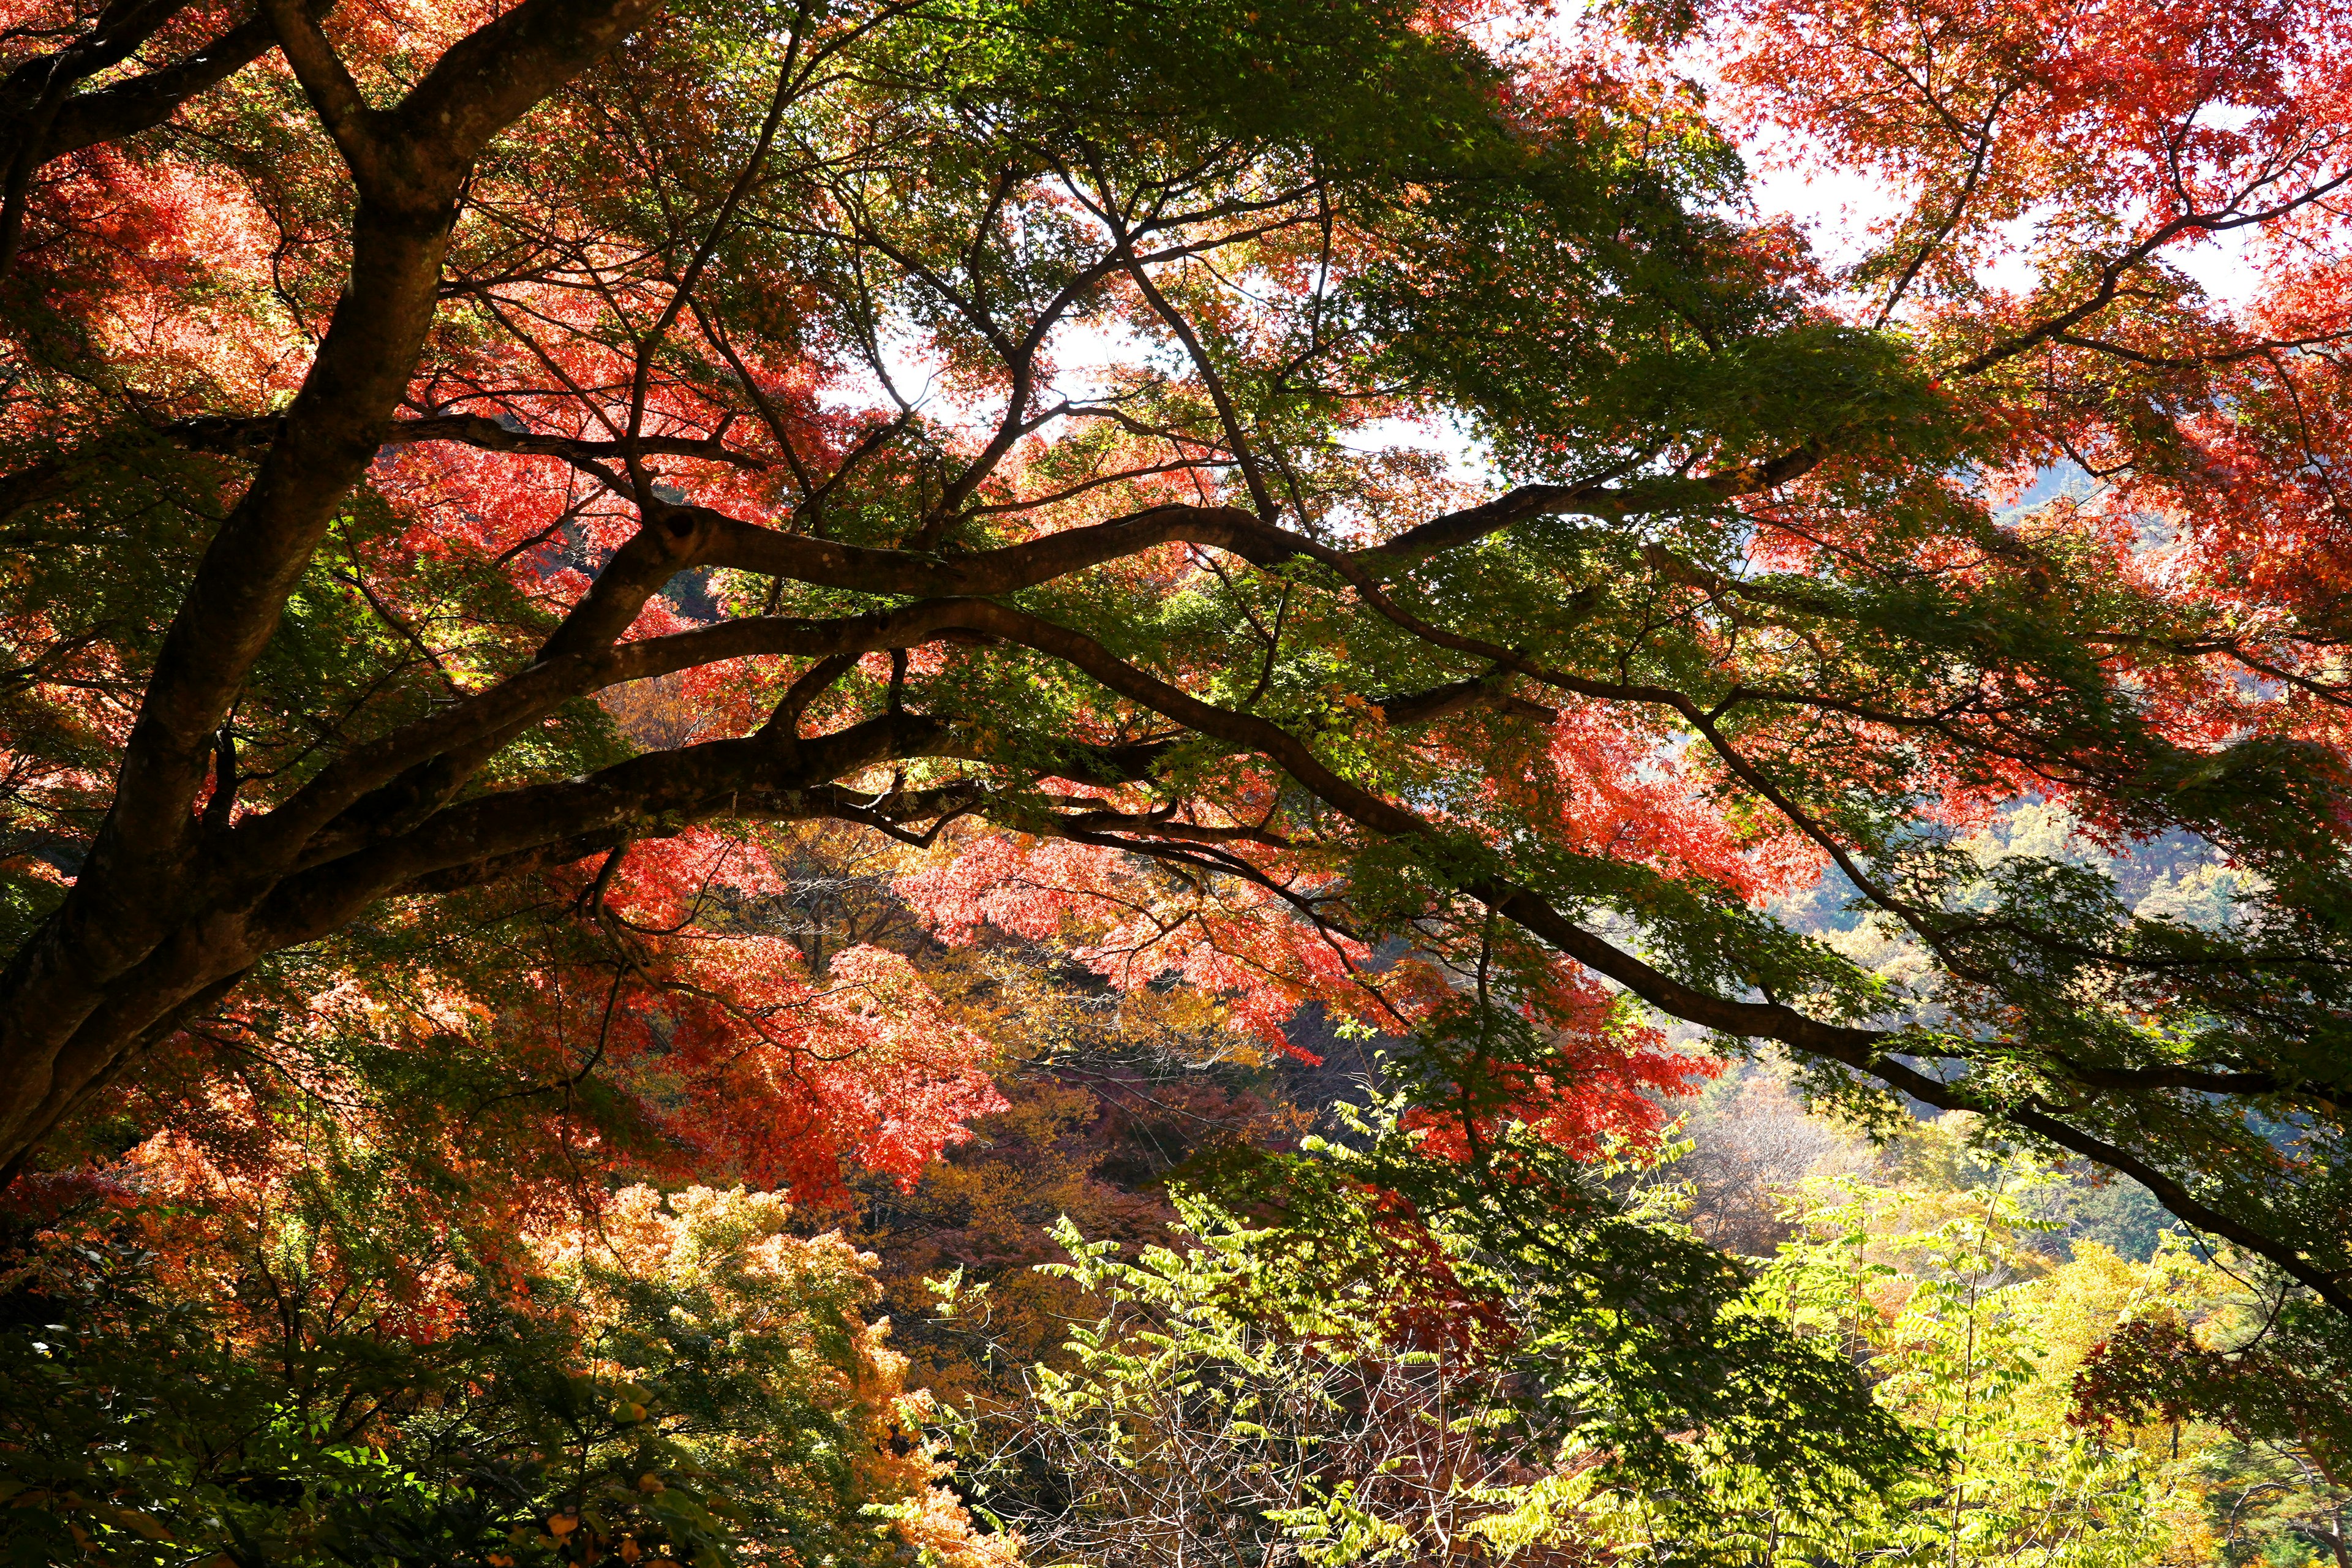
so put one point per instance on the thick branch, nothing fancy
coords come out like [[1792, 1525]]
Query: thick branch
[[130, 894], [142, 102]]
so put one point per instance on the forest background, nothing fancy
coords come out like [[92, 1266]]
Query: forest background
[[771, 795]]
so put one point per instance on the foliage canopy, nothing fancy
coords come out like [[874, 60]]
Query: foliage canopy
[[490, 496]]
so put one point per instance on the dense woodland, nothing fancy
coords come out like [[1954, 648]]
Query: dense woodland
[[1175, 783]]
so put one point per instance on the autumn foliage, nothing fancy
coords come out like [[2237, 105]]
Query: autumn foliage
[[605, 598]]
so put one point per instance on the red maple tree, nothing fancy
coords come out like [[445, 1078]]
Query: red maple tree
[[987, 419]]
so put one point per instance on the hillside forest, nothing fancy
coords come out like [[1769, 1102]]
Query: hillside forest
[[1176, 783]]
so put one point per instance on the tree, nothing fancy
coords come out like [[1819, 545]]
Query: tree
[[382, 388], [1246, 1397], [688, 1383], [2267, 1371], [1371, 1380]]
